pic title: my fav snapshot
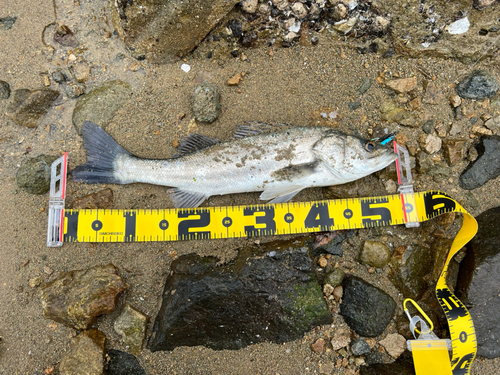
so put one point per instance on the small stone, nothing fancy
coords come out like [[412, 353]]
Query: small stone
[[35, 281], [322, 262], [235, 80], [289, 38], [481, 130], [314, 40], [493, 124], [249, 6], [455, 101], [401, 139], [205, 103], [430, 143], [472, 154], [81, 72], [122, 363], [391, 112], [299, 10], [455, 129], [428, 126], [49, 271], [131, 325], [29, 106], [340, 340], [339, 12], [402, 85], [74, 90], [432, 93], [264, 9], [360, 347], [6, 23], [72, 57], [441, 129], [318, 346], [338, 292], [365, 85], [415, 104], [394, 344], [381, 24], [4, 90], [59, 76], [346, 27], [335, 277], [376, 254], [86, 355], [485, 168], [446, 219], [390, 186], [46, 80], [64, 36], [478, 85], [454, 151], [34, 174], [327, 290]]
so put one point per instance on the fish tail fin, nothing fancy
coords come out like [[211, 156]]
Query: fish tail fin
[[102, 151]]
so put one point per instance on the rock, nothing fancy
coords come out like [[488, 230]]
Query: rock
[[375, 254], [455, 129], [81, 72], [330, 243], [482, 4], [29, 106], [454, 151], [493, 124], [235, 80], [314, 40], [34, 174], [318, 346], [365, 85], [381, 25], [479, 130], [485, 168], [61, 75], [424, 162], [432, 93], [360, 347], [77, 298], [64, 36], [365, 308], [86, 356], [100, 105], [339, 12], [415, 104], [4, 90], [479, 85], [35, 281], [347, 26], [478, 280], [428, 126], [131, 325], [394, 344], [430, 143], [205, 103], [401, 366], [249, 6], [261, 296], [6, 23], [338, 292], [159, 30], [391, 112], [340, 339], [299, 10], [102, 199], [353, 105], [390, 186], [122, 363], [409, 268], [455, 101], [74, 90], [327, 290], [402, 85], [334, 278]]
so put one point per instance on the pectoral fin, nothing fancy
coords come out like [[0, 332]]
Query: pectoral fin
[[281, 194]]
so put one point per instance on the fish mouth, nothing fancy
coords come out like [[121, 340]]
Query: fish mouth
[[387, 157]]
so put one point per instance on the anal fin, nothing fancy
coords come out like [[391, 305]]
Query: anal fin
[[281, 194], [182, 198]]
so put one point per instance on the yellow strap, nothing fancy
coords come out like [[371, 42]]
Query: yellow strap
[[431, 357]]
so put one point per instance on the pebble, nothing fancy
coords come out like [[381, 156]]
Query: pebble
[[482, 4], [327, 289], [6, 23], [493, 124], [481, 130], [432, 94], [59, 76], [335, 277], [375, 253], [318, 346], [394, 344], [131, 326], [205, 103], [428, 126], [381, 24], [455, 101], [478, 85], [454, 151], [458, 27], [122, 363], [339, 12], [340, 340], [346, 27], [430, 143], [390, 186], [74, 90], [81, 72], [360, 347], [35, 281], [34, 174], [338, 291], [299, 10], [4, 90], [415, 104], [402, 85], [455, 129], [235, 80], [322, 262], [314, 40], [249, 6], [64, 36], [365, 85]]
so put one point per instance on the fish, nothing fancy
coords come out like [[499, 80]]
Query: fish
[[277, 160]]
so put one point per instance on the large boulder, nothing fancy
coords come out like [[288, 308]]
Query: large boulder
[[161, 29], [478, 281]]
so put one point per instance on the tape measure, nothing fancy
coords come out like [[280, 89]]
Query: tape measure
[[409, 208]]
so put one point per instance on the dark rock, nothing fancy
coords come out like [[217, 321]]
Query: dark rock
[[236, 28], [402, 366], [86, 355], [64, 36], [6, 23], [365, 85], [160, 30], [4, 90], [59, 76], [479, 85], [478, 281], [74, 90], [131, 325], [485, 168], [330, 243], [258, 297], [424, 161], [100, 105], [205, 102], [360, 347], [408, 270], [354, 105], [102, 199], [77, 298], [428, 126], [28, 107], [34, 174], [365, 308], [122, 363]]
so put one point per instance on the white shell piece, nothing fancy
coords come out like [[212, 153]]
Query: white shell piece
[[459, 27]]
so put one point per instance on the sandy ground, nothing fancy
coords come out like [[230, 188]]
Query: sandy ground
[[280, 85]]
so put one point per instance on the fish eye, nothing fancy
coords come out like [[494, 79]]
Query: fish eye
[[369, 146]]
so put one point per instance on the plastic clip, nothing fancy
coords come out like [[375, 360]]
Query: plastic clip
[[55, 226], [406, 186]]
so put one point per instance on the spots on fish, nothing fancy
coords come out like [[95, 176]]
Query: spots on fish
[[286, 154], [295, 171]]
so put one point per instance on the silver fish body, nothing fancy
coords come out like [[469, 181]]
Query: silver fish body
[[280, 164]]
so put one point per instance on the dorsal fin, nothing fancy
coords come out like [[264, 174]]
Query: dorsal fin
[[193, 143], [257, 127]]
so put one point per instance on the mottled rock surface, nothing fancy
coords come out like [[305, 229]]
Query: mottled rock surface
[[366, 308], [478, 85], [77, 298], [86, 356], [100, 105], [29, 106], [260, 296], [131, 325], [479, 280], [205, 102], [360, 347], [4, 90], [34, 174], [122, 363], [102, 199], [375, 254], [485, 168]]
